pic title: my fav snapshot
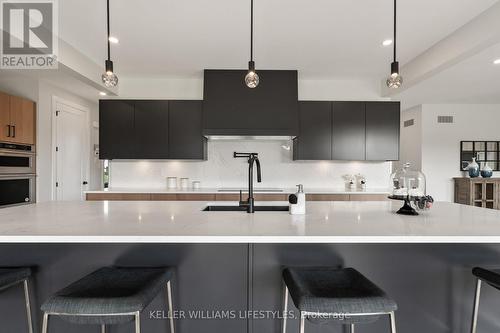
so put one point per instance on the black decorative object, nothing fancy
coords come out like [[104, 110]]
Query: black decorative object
[[407, 209], [484, 152]]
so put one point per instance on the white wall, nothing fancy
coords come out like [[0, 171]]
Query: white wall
[[222, 170], [441, 142], [437, 146], [411, 139]]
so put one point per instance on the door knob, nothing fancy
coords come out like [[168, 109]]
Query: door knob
[[85, 182]]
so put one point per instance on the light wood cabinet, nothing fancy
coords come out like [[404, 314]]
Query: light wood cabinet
[[17, 119], [4, 117], [478, 192], [229, 197]]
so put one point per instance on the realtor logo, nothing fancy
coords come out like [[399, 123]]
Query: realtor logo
[[29, 34]]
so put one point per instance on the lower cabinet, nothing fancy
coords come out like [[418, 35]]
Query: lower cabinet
[[227, 197], [479, 192]]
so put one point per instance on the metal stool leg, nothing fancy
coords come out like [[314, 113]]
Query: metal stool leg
[[137, 322], [352, 328], [393, 322], [285, 308], [103, 328], [45, 324], [476, 307], [28, 305], [302, 322], [170, 306]]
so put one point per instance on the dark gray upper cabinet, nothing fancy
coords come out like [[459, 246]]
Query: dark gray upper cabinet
[[352, 131], [116, 129], [348, 131], [315, 137], [231, 108], [382, 131], [151, 129], [185, 138]]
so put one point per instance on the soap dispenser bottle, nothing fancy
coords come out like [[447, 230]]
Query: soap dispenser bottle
[[300, 206]]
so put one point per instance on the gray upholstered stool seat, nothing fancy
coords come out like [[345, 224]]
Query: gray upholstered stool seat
[[12, 276], [324, 294], [491, 277], [110, 295]]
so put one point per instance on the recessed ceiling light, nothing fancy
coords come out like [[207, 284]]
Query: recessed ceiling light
[[113, 40], [497, 62], [387, 42], [102, 93]]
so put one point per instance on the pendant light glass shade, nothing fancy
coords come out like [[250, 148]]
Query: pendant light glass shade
[[109, 78], [252, 78], [395, 80]]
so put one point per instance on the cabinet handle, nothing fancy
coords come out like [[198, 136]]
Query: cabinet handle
[[14, 131], [8, 131]]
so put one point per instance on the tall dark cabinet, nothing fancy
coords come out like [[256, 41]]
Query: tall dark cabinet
[[348, 131], [185, 138], [382, 131], [116, 129], [315, 139], [151, 129]]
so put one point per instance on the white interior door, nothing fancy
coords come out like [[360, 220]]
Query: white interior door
[[70, 137]]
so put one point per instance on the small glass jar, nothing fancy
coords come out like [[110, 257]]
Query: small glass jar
[[408, 183]]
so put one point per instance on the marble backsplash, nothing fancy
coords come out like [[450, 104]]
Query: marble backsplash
[[222, 170]]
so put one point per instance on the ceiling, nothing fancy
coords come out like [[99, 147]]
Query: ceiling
[[475, 80], [323, 39]]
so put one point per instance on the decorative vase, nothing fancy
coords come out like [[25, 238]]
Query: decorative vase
[[487, 172], [473, 168]]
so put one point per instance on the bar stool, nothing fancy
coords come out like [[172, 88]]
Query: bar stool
[[109, 296], [491, 277], [10, 277], [323, 294]]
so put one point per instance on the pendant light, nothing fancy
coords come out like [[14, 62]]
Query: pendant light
[[251, 79], [395, 80], [109, 78]]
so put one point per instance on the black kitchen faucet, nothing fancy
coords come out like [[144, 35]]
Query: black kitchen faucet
[[252, 158]]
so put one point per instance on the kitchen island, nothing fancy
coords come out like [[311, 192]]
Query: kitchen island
[[185, 222], [233, 260]]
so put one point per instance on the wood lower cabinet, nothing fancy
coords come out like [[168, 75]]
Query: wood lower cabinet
[[479, 192], [17, 119], [118, 196], [228, 197]]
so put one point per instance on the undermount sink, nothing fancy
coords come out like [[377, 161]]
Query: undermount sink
[[216, 208]]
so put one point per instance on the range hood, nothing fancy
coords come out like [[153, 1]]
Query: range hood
[[233, 111]]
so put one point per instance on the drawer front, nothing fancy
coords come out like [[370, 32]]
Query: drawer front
[[327, 197], [368, 197], [195, 197]]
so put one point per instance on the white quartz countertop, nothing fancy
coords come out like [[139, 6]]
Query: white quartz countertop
[[236, 190], [185, 222]]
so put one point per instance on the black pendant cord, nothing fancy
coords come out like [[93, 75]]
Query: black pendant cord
[[251, 30], [109, 46], [395, 30]]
